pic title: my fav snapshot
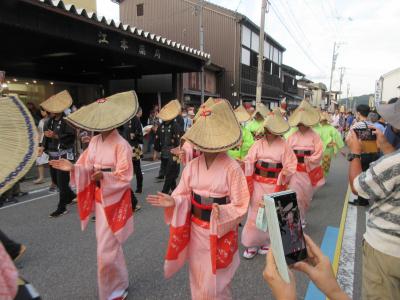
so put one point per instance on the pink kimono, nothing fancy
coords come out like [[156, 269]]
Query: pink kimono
[[8, 276], [308, 148], [211, 248], [266, 164], [111, 201]]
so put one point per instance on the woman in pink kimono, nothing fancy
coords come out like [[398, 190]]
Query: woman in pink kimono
[[102, 176], [269, 164], [308, 147], [205, 210]]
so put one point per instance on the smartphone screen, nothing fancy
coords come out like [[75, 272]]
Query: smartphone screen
[[294, 246]]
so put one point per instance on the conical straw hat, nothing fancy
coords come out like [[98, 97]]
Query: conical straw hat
[[325, 117], [106, 113], [57, 103], [275, 123], [19, 141], [170, 111], [262, 110], [210, 102], [216, 130], [241, 114], [304, 114]]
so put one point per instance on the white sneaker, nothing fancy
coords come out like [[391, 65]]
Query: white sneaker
[[263, 250], [249, 253], [303, 223]]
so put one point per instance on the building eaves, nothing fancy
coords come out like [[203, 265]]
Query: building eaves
[[391, 72], [126, 29], [291, 70]]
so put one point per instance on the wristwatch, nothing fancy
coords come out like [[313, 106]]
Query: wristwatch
[[352, 156]]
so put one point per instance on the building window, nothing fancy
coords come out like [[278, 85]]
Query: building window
[[254, 41], [275, 57], [139, 10], [246, 36], [245, 57]]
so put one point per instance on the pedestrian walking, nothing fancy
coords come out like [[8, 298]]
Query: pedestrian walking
[[43, 159], [308, 147], [269, 165], [58, 143], [102, 176], [168, 137], [133, 133], [205, 209]]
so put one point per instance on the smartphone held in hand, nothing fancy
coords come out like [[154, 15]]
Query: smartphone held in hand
[[281, 217]]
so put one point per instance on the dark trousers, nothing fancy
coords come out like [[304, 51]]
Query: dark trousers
[[171, 174], [163, 167], [366, 160], [61, 179], [11, 247], [134, 200], [138, 173]]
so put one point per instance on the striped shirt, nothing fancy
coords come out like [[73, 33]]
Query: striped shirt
[[381, 184]]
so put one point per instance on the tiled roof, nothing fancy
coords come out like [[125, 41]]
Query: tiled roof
[[134, 31]]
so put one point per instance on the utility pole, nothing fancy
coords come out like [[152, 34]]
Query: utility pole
[[201, 28], [261, 52], [347, 96], [334, 58]]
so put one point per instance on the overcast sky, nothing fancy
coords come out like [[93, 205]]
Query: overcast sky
[[367, 29]]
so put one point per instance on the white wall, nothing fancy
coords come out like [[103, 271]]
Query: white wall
[[391, 81]]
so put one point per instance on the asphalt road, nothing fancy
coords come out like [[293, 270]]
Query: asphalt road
[[61, 260]]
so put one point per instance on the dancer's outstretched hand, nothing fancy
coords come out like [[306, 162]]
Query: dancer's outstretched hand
[[161, 200], [62, 164]]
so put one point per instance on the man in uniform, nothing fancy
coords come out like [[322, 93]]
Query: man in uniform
[[168, 136], [58, 142]]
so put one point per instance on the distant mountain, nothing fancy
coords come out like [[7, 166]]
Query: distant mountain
[[354, 101]]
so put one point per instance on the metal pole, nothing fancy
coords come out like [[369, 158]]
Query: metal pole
[[332, 69], [347, 96], [261, 52], [201, 48]]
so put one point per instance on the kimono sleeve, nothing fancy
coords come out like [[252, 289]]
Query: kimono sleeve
[[337, 138], [315, 158], [181, 195], [289, 161], [231, 214], [250, 160]]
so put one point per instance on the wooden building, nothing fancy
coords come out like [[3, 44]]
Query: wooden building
[[231, 39]]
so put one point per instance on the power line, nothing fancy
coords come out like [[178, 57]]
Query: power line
[[296, 41], [317, 17], [240, 2]]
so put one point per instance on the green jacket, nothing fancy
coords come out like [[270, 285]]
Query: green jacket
[[247, 142], [254, 126], [329, 134]]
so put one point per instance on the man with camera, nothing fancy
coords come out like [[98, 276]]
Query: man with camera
[[380, 183], [369, 150]]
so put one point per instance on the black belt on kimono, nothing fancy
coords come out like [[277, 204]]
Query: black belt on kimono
[[300, 154], [203, 211], [105, 170], [269, 170]]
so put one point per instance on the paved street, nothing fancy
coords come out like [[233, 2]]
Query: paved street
[[61, 260]]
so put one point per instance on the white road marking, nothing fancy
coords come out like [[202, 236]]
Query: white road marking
[[150, 164], [151, 169], [38, 191], [27, 201], [345, 274]]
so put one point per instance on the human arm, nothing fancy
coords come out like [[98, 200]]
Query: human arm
[[355, 169]]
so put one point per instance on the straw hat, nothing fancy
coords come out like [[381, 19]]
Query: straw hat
[[106, 113], [275, 123], [241, 114], [216, 130], [325, 117], [170, 111], [19, 141], [210, 102], [304, 114], [262, 110], [57, 103]]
